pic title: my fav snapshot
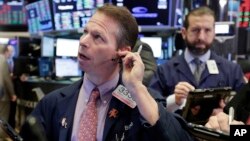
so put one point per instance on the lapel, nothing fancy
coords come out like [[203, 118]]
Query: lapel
[[115, 104], [110, 121], [66, 108], [183, 68]]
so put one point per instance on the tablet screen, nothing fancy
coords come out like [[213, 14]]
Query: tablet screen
[[201, 102]]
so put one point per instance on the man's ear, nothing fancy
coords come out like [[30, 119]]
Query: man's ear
[[184, 33], [126, 48]]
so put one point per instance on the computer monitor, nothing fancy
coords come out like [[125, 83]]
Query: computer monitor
[[67, 67], [149, 14], [45, 66], [67, 47], [39, 17], [224, 28], [73, 14], [155, 43], [12, 15], [47, 46]]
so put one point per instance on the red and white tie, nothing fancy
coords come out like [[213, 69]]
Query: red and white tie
[[88, 121]]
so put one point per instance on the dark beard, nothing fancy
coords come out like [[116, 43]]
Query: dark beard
[[196, 51]]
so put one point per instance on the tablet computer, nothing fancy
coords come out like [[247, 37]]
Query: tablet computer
[[203, 133], [201, 102]]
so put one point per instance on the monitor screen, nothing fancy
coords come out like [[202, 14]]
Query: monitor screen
[[12, 15], [221, 29], [155, 43], [39, 17], [73, 14], [47, 46], [224, 28], [67, 67], [148, 13], [45, 66], [67, 47]]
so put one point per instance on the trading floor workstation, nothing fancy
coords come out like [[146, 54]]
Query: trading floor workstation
[[45, 56]]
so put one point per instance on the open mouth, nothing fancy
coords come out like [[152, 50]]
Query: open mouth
[[83, 57]]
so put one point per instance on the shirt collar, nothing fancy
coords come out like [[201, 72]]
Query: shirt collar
[[189, 57], [104, 89]]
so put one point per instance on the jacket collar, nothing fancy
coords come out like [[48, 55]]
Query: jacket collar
[[182, 66], [68, 95], [115, 105]]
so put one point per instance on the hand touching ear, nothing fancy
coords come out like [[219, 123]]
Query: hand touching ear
[[133, 68]]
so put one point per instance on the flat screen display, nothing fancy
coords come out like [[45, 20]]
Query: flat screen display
[[45, 66], [155, 43], [39, 17], [224, 28], [221, 29], [67, 67], [73, 14], [12, 15], [47, 46], [12, 12], [148, 13], [67, 47]]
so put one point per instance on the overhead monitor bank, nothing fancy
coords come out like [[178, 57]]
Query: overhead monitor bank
[[62, 15], [73, 14], [150, 14]]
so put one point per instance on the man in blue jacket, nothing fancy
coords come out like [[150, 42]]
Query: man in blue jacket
[[177, 77], [106, 58]]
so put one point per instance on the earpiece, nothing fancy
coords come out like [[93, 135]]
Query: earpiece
[[118, 60]]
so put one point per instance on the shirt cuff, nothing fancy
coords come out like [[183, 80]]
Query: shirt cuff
[[172, 106]]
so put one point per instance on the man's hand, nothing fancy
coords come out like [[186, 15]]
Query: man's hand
[[133, 68], [220, 122], [132, 75], [220, 108], [181, 91]]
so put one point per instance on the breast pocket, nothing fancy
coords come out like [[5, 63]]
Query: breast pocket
[[215, 81]]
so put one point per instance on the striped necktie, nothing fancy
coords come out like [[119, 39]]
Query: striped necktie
[[198, 70]]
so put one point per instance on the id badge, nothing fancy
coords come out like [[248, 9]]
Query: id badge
[[123, 95], [212, 67]]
